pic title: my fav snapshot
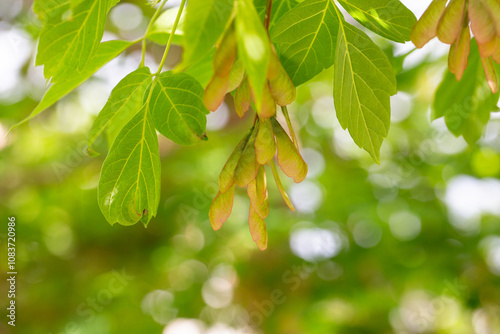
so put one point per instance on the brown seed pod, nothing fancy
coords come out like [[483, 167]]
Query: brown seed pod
[[426, 28], [215, 92], [221, 208], [225, 54], [280, 84], [289, 158], [268, 105], [488, 49], [243, 98], [482, 25], [257, 192], [459, 53], [226, 177], [450, 24], [490, 73], [496, 54], [265, 143], [258, 229], [493, 7], [236, 75], [247, 167]]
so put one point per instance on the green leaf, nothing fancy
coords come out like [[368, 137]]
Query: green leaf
[[177, 108], [66, 46], [161, 29], [279, 8], [205, 22], [388, 18], [363, 83], [105, 52], [202, 70], [123, 103], [129, 187], [466, 104], [305, 38], [51, 11], [253, 47]]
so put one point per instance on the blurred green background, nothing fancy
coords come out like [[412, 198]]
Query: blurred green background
[[408, 246]]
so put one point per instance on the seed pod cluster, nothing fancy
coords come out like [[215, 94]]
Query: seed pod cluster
[[246, 168], [229, 75], [450, 21]]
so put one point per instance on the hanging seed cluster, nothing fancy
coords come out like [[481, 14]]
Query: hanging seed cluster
[[265, 140], [229, 75], [450, 21]]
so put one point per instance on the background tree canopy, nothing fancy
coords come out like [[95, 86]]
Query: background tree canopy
[[409, 245]]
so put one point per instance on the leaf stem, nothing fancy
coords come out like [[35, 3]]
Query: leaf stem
[[151, 22], [289, 124], [267, 19], [170, 38]]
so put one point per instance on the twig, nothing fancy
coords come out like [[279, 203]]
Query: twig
[[151, 22]]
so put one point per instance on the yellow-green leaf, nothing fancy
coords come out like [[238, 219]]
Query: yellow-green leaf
[[466, 104], [253, 46], [388, 18], [68, 44], [163, 26], [123, 103], [306, 37], [363, 82], [105, 52], [129, 186], [205, 22], [177, 108]]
